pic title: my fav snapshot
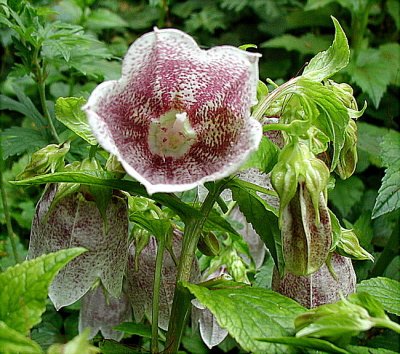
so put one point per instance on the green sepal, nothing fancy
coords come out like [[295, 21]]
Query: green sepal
[[349, 246], [209, 244], [46, 160]]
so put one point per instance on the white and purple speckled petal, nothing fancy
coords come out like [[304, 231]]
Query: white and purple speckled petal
[[75, 221], [101, 313], [179, 116]]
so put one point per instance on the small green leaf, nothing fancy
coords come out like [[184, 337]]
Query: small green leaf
[[24, 288], [335, 58], [13, 342], [385, 290], [69, 112], [249, 313], [311, 343]]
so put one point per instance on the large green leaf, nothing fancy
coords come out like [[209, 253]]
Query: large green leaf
[[24, 288], [249, 313], [13, 342], [371, 72], [385, 290], [369, 141], [389, 194], [106, 179], [329, 62], [69, 112]]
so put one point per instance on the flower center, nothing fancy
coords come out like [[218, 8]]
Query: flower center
[[171, 135]]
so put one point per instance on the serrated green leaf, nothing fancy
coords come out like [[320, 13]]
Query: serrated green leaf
[[390, 146], [264, 222], [24, 288], [369, 141], [249, 313], [100, 19], [367, 350], [18, 140], [13, 342], [68, 111], [385, 290], [389, 193], [311, 343], [346, 194], [306, 44], [390, 54], [335, 58], [370, 72]]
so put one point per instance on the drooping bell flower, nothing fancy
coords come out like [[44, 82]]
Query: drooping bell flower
[[179, 116], [322, 287], [140, 279], [101, 312], [75, 220], [300, 180]]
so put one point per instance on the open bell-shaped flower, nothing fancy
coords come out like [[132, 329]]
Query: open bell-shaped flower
[[179, 116]]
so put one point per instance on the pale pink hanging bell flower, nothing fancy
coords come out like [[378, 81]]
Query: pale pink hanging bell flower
[[179, 116]]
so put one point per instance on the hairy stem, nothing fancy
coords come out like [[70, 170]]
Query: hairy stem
[[181, 303], [6, 209]]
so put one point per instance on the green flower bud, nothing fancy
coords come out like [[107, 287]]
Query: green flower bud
[[47, 159], [114, 166], [209, 244], [344, 92], [296, 164], [348, 155], [349, 246], [306, 232]]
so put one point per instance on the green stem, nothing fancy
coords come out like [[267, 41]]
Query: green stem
[[387, 323], [156, 295], [181, 303], [6, 209], [284, 89], [359, 23], [40, 78]]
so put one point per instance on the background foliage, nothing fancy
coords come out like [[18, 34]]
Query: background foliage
[[40, 63]]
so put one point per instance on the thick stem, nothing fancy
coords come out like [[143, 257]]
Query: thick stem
[[156, 295], [181, 303], [6, 209]]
